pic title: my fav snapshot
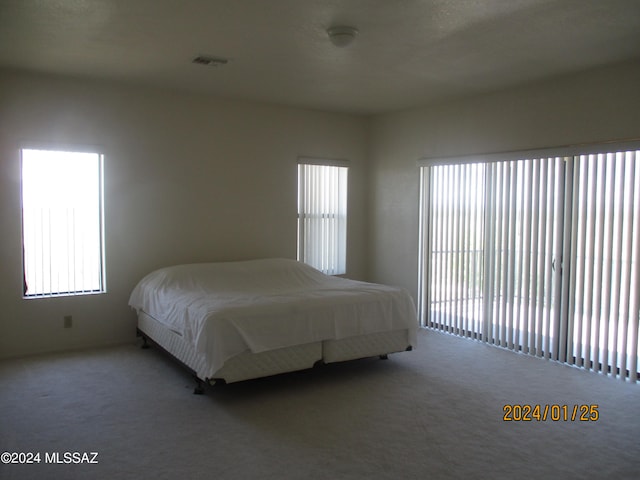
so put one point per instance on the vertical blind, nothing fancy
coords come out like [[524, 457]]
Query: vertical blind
[[604, 285], [539, 256], [322, 217]]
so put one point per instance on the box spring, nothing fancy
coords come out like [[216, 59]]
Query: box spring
[[250, 365]]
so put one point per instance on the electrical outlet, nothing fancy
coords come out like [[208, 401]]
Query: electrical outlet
[[68, 321]]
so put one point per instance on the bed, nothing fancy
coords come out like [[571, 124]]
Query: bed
[[234, 321]]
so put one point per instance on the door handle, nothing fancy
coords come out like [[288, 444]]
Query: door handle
[[553, 265]]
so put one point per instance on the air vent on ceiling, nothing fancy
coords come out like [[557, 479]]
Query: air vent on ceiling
[[210, 61]]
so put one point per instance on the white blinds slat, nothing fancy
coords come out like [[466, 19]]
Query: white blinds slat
[[634, 227]]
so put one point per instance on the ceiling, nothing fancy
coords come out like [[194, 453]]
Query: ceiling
[[408, 53]]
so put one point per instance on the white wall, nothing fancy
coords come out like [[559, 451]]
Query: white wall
[[188, 178], [192, 178], [596, 106]]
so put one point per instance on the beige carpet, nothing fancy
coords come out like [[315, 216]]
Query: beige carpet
[[435, 412]]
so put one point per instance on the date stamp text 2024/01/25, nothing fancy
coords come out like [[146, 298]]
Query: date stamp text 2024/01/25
[[550, 412]]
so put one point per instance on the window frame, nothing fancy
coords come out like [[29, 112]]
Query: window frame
[[333, 259], [100, 267]]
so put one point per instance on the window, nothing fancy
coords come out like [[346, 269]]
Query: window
[[539, 256], [322, 215], [62, 226]]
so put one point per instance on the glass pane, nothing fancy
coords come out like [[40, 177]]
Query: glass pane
[[61, 218]]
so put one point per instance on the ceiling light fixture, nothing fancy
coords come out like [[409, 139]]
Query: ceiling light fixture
[[341, 36], [210, 61]]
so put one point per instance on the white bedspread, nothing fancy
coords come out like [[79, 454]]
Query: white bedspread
[[224, 309]]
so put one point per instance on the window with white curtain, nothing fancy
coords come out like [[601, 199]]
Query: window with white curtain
[[322, 214], [62, 223], [539, 254]]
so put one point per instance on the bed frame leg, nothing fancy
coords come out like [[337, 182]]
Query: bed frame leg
[[199, 389], [384, 357], [145, 344]]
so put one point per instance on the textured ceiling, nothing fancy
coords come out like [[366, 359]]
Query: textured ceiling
[[408, 53]]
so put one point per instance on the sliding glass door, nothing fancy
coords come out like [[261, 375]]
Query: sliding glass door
[[537, 255]]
